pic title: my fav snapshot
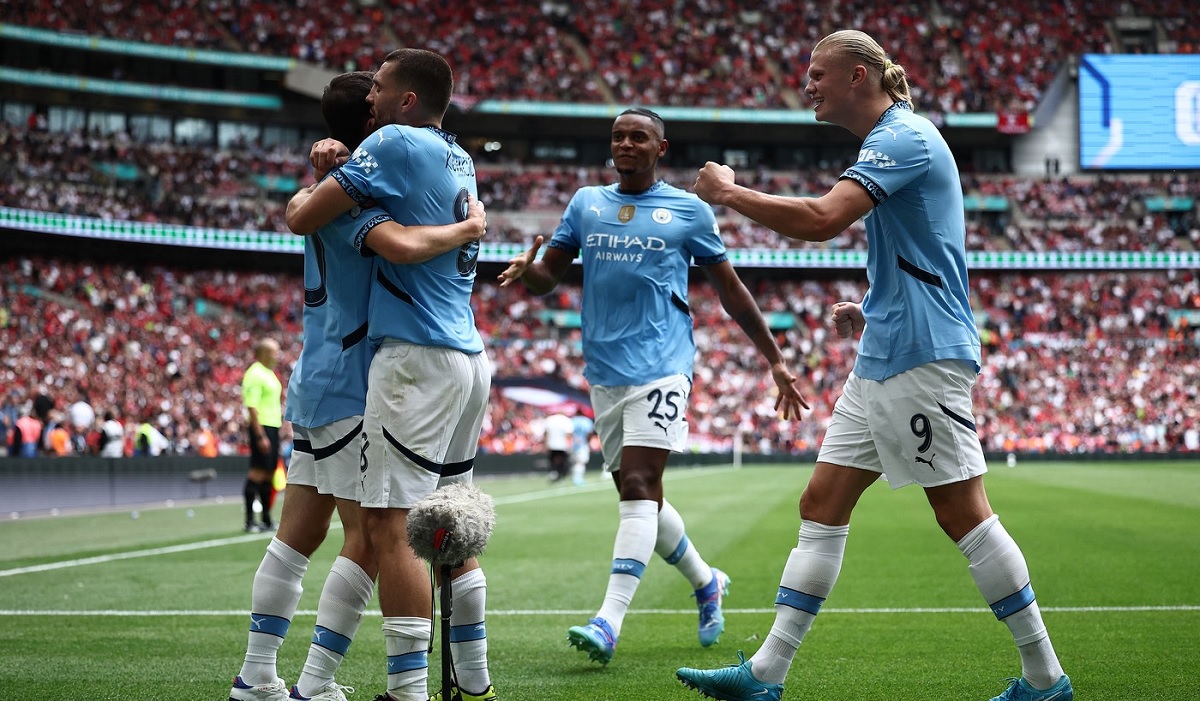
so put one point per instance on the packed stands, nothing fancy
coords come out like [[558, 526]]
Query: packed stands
[[76, 173], [163, 344], [1073, 363], [961, 55], [113, 177], [174, 22], [1099, 362]]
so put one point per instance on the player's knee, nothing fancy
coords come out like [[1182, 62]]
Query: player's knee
[[819, 505], [636, 487], [958, 523], [809, 504], [383, 526], [355, 537], [301, 536], [360, 552]]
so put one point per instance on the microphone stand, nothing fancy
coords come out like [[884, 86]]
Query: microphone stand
[[447, 656], [460, 499], [441, 539]]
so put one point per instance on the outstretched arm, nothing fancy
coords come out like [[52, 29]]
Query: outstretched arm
[[317, 205], [416, 244], [740, 305], [804, 218], [540, 276]]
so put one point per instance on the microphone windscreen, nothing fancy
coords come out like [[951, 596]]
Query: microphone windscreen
[[452, 525]]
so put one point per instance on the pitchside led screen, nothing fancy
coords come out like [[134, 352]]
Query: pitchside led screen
[[1139, 112]]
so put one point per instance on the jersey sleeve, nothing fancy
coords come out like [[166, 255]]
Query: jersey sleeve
[[706, 245], [360, 224], [567, 235], [890, 159], [376, 167]]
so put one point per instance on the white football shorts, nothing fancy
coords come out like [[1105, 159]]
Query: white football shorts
[[425, 408], [653, 415], [916, 427], [327, 457]]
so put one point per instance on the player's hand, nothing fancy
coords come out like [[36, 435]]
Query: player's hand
[[712, 181], [327, 154], [519, 263], [789, 402], [847, 318], [477, 215], [264, 443]]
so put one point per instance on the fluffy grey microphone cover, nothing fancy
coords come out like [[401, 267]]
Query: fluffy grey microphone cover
[[464, 511]]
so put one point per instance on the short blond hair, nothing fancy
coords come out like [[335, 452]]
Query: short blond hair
[[862, 48]]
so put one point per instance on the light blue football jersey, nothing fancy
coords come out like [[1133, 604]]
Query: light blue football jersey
[[329, 381], [421, 176], [918, 307], [636, 250], [581, 429]]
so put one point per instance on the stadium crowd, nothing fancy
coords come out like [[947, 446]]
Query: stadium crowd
[[164, 347], [74, 173], [962, 55], [1079, 362], [1097, 362], [115, 178]]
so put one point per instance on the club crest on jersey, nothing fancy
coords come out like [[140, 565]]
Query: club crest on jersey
[[626, 213], [662, 216]]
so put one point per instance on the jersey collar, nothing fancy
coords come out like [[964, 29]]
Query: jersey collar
[[447, 136], [656, 186], [890, 112]]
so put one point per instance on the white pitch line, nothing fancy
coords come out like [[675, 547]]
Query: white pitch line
[[100, 559], [581, 612], [220, 542]]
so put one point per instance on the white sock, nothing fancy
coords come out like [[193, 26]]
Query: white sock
[[632, 550], [407, 643], [1002, 576], [346, 593], [273, 600], [468, 631], [812, 569], [673, 546]]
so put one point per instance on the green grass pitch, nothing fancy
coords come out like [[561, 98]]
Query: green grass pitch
[[103, 606]]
